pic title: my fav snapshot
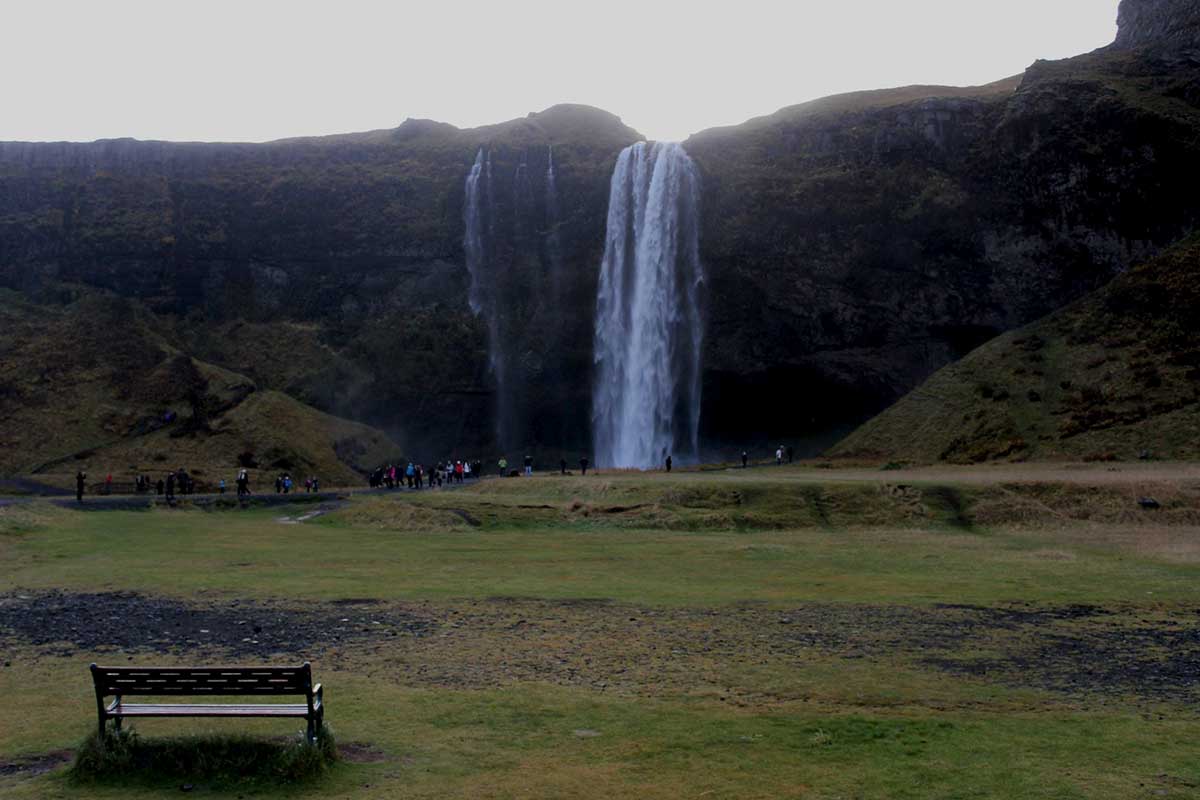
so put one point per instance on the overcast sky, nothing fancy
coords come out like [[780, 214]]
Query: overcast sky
[[255, 70]]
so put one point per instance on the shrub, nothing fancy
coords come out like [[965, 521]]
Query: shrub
[[214, 760]]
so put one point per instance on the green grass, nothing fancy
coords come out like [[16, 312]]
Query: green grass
[[816, 725]]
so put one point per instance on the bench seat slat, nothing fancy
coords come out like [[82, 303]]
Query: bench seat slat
[[197, 710]]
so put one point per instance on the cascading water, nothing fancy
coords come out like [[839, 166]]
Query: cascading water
[[479, 223], [649, 332], [553, 242]]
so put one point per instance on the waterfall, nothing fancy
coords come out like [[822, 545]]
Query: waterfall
[[479, 223], [648, 337], [553, 242]]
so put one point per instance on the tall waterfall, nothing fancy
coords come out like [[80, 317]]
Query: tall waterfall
[[479, 222], [646, 401]]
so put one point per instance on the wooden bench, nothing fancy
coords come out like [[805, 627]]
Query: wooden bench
[[122, 682]]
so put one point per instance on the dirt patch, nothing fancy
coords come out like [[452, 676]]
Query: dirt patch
[[361, 753], [138, 623], [1077, 650], [35, 765]]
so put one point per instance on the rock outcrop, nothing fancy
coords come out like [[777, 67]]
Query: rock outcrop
[[1159, 24]]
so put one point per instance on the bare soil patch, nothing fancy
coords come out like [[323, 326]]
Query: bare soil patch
[[605, 646], [29, 766]]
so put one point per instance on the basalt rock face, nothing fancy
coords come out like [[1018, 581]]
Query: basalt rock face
[[332, 268], [851, 246], [1159, 24], [859, 244]]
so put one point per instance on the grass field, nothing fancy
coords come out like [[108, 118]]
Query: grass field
[[794, 632]]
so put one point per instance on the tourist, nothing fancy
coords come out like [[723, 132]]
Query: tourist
[[745, 460], [221, 486], [170, 487], [503, 467], [466, 470], [80, 480], [668, 463], [779, 455], [410, 473], [583, 465], [528, 466], [243, 483], [278, 484]]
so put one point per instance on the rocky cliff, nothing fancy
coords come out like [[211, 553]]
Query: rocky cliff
[[1162, 24], [852, 246]]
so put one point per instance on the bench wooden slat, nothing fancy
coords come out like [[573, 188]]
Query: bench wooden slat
[[200, 710]]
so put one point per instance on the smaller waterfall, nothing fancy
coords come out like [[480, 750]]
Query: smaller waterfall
[[479, 223], [648, 336], [553, 241]]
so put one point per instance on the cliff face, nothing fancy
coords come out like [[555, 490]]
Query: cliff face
[[1159, 23], [859, 244], [853, 246], [333, 268]]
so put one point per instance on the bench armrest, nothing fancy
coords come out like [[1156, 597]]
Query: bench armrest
[[318, 696]]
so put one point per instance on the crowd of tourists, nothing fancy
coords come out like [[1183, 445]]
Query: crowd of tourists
[[417, 476]]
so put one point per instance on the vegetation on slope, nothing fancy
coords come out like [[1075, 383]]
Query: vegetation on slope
[[97, 384], [1108, 377]]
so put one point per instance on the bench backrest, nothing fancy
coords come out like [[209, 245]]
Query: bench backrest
[[202, 680]]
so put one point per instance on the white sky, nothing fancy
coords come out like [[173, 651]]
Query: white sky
[[260, 69]]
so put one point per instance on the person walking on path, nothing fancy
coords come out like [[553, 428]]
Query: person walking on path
[[583, 465], [528, 466], [80, 481], [745, 460], [668, 463]]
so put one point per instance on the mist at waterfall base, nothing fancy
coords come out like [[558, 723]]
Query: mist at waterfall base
[[649, 331]]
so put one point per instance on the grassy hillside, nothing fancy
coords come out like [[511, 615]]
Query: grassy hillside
[[98, 384], [1110, 376]]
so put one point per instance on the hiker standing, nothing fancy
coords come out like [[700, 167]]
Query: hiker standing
[[583, 465], [80, 480]]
